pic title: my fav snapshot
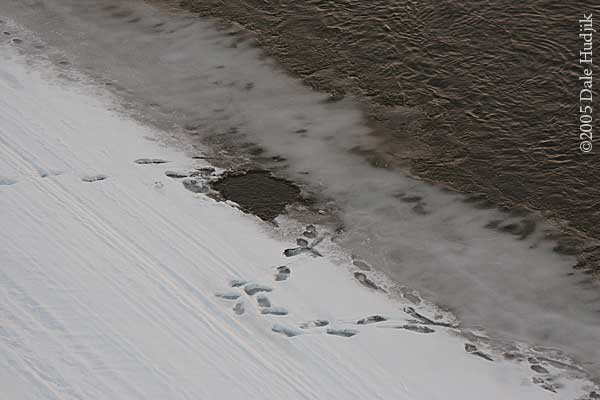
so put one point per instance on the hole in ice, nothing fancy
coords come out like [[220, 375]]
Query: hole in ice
[[258, 193]]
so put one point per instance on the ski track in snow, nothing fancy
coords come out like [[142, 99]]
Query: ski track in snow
[[116, 282]]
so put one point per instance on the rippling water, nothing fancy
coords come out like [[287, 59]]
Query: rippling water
[[492, 86]]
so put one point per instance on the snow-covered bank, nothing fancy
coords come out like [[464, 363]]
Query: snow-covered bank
[[493, 269], [110, 274]]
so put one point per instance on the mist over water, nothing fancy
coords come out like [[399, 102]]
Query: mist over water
[[493, 269]]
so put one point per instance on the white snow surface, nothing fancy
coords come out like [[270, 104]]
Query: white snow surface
[[108, 287]]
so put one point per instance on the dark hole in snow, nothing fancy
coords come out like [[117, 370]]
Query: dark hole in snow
[[258, 193]]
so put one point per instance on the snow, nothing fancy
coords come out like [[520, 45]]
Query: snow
[[116, 281], [192, 74]]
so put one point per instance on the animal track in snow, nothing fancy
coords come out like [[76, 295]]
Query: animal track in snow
[[362, 278], [472, 349], [194, 185], [539, 369], [239, 308], [147, 161], [262, 300], [317, 323], [371, 320], [346, 332], [7, 181], [252, 288], [415, 328], [535, 366], [237, 283], [286, 331], [177, 174], [309, 248], [94, 178], [274, 311], [424, 320], [302, 242], [310, 232], [283, 273], [361, 265], [228, 295]]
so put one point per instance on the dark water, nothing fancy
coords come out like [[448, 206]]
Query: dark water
[[258, 193], [491, 89]]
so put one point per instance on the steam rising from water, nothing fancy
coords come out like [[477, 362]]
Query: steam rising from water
[[490, 267]]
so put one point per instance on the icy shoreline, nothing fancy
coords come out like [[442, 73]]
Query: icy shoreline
[[200, 79], [118, 283]]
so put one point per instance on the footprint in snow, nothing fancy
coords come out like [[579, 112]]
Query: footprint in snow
[[228, 295], [147, 161], [553, 387], [237, 283], [361, 265], [342, 332], [7, 182], [283, 273], [535, 366], [274, 311], [194, 185], [414, 328], [252, 288], [94, 178], [317, 323], [539, 369], [371, 320], [472, 349], [310, 232], [302, 242], [262, 300], [286, 331], [413, 298], [309, 248], [239, 308], [177, 174], [362, 278], [424, 320]]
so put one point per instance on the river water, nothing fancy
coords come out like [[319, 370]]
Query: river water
[[407, 91]]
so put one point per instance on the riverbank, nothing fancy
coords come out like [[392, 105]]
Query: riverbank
[[119, 283], [205, 83]]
